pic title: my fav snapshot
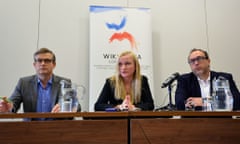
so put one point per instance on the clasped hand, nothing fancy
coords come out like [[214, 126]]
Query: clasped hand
[[192, 102], [126, 104]]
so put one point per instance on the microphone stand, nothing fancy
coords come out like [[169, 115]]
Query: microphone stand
[[169, 107]]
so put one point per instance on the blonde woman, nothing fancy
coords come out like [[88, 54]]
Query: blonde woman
[[127, 89]]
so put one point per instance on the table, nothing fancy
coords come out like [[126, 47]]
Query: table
[[123, 127]]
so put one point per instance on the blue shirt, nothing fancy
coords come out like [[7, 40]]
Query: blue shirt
[[44, 101]]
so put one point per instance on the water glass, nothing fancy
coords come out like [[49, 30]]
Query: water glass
[[65, 105], [207, 104]]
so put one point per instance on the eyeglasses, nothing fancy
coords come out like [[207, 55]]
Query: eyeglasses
[[198, 59], [47, 61]]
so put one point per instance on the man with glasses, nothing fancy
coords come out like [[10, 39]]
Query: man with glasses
[[39, 92], [194, 86]]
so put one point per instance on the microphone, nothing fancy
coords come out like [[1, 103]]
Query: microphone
[[170, 79]]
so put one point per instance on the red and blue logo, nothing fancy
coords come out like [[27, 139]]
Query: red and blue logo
[[121, 35]]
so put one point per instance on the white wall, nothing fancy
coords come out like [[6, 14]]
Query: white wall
[[18, 41], [62, 25], [224, 35]]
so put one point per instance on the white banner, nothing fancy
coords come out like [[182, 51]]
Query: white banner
[[112, 31]]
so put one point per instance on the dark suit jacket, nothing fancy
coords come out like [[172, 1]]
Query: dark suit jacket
[[26, 92], [188, 86], [107, 99]]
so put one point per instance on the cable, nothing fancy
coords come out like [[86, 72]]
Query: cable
[[206, 23], [39, 15]]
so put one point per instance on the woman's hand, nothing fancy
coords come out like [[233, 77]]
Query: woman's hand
[[127, 104]]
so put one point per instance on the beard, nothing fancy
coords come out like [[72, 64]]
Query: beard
[[198, 72], [201, 72]]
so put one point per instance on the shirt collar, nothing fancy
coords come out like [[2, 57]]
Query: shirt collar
[[208, 79], [49, 81]]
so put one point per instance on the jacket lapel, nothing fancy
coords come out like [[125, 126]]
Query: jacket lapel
[[34, 93], [56, 89]]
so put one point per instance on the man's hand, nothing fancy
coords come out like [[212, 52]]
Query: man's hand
[[193, 102], [56, 108], [5, 104]]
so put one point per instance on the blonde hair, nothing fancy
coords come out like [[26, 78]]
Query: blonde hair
[[117, 80]]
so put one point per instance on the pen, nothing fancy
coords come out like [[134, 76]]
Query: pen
[[5, 99]]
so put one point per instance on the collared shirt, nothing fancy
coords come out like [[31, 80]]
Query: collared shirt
[[205, 86], [44, 101]]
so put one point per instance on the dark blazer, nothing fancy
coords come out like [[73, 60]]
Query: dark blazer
[[107, 99], [26, 92], [188, 86]]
